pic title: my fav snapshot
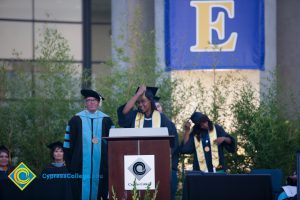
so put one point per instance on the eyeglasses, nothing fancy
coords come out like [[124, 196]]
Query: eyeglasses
[[90, 100]]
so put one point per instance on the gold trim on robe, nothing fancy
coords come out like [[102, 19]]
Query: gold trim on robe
[[140, 117], [213, 148]]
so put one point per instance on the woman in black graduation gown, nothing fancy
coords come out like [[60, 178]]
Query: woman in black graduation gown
[[5, 167], [55, 179], [206, 142], [8, 190], [147, 116], [57, 166]]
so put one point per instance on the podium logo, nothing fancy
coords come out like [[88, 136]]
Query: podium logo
[[22, 176], [139, 168]]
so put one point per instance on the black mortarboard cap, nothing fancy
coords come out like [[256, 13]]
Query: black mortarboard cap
[[3, 148], [151, 90], [91, 93], [197, 117], [53, 145], [156, 99]]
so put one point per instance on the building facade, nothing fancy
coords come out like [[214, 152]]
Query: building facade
[[93, 27]]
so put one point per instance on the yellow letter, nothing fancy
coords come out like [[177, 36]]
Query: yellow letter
[[205, 25]]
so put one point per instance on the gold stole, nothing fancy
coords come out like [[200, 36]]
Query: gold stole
[[140, 117], [214, 151]]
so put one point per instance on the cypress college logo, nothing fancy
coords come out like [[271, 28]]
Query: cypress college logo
[[22, 176], [139, 172], [139, 168]]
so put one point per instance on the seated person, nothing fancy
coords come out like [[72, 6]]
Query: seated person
[[5, 160], [57, 166], [56, 182], [206, 141], [289, 191]]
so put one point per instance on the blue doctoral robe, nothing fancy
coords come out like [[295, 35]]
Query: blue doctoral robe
[[86, 158]]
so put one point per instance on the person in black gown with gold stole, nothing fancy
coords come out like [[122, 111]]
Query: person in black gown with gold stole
[[206, 141], [147, 116]]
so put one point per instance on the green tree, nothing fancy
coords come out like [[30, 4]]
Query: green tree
[[39, 97], [267, 136]]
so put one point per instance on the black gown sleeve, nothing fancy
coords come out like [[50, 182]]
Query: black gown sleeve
[[222, 133], [71, 136], [165, 122], [107, 124], [126, 121], [175, 149], [189, 146], [174, 144]]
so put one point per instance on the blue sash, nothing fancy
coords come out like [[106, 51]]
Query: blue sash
[[91, 153]]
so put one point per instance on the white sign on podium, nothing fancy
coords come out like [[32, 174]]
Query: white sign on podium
[[139, 169]]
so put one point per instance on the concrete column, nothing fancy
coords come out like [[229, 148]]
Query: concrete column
[[129, 19], [270, 46], [288, 43], [159, 8], [119, 18]]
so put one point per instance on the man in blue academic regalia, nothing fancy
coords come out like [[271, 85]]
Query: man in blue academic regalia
[[85, 151]]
